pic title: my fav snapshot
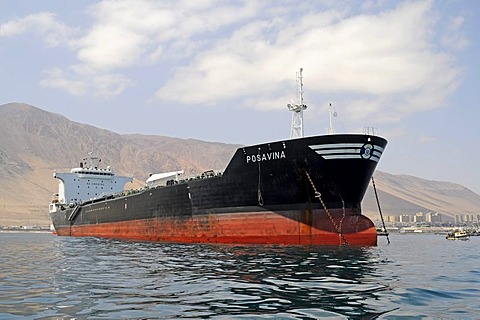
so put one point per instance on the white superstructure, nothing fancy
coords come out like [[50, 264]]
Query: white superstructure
[[86, 182], [161, 179]]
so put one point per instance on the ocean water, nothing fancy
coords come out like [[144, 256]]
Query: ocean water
[[43, 276]]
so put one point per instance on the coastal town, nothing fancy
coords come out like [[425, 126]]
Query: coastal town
[[431, 222]]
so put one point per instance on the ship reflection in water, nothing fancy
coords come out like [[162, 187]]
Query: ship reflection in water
[[48, 277], [289, 282], [179, 280]]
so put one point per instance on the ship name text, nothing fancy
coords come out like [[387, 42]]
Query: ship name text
[[266, 156]]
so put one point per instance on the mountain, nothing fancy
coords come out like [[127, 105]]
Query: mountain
[[403, 194], [35, 142]]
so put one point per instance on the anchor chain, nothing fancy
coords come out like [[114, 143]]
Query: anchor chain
[[319, 196], [259, 189]]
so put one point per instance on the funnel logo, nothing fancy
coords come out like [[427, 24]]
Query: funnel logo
[[353, 150], [366, 151]]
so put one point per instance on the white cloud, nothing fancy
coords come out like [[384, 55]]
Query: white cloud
[[385, 63], [453, 38], [58, 78], [126, 33], [130, 34], [120, 47], [44, 24], [109, 85], [72, 80]]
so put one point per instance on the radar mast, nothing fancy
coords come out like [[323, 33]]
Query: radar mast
[[297, 109], [332, 113]]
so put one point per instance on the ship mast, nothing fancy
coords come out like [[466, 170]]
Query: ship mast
[[333, 113], [297, 109]]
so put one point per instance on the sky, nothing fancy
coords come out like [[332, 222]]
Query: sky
[[224, 71]]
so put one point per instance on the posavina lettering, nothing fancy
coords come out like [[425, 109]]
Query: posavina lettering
[[266, 156]]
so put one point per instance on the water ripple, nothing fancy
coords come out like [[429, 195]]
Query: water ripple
[[42, 276]]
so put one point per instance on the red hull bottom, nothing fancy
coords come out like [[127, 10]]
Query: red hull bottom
[[301, 228]]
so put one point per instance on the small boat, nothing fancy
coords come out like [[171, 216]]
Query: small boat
[[457, 235]]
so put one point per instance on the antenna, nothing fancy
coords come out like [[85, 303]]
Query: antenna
[[333, 113], [297, 109]]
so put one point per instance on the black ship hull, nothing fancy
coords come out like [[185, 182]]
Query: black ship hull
[[300, 191]]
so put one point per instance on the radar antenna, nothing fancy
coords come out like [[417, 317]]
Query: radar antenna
[[297, 109]]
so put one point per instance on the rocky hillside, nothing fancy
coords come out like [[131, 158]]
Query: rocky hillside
[[34, 143], [403, 194]]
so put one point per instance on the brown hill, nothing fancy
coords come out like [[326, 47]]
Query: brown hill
[[34, 143], [403, 194]]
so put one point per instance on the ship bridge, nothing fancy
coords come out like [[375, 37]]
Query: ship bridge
[[88, 182]]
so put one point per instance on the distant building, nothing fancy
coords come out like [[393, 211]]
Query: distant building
[[428, 217], [434, 217], [391, 219], [467, 218], [419, 217]]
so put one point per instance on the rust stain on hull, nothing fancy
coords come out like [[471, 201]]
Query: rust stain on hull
[[241, 228]]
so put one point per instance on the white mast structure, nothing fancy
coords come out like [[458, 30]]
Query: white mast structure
[[297, 109], [333, 113]]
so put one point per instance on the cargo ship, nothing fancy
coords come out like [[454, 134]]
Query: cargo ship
[[302, 190]]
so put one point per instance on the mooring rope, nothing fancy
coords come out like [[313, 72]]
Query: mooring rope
[[380, 210]]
